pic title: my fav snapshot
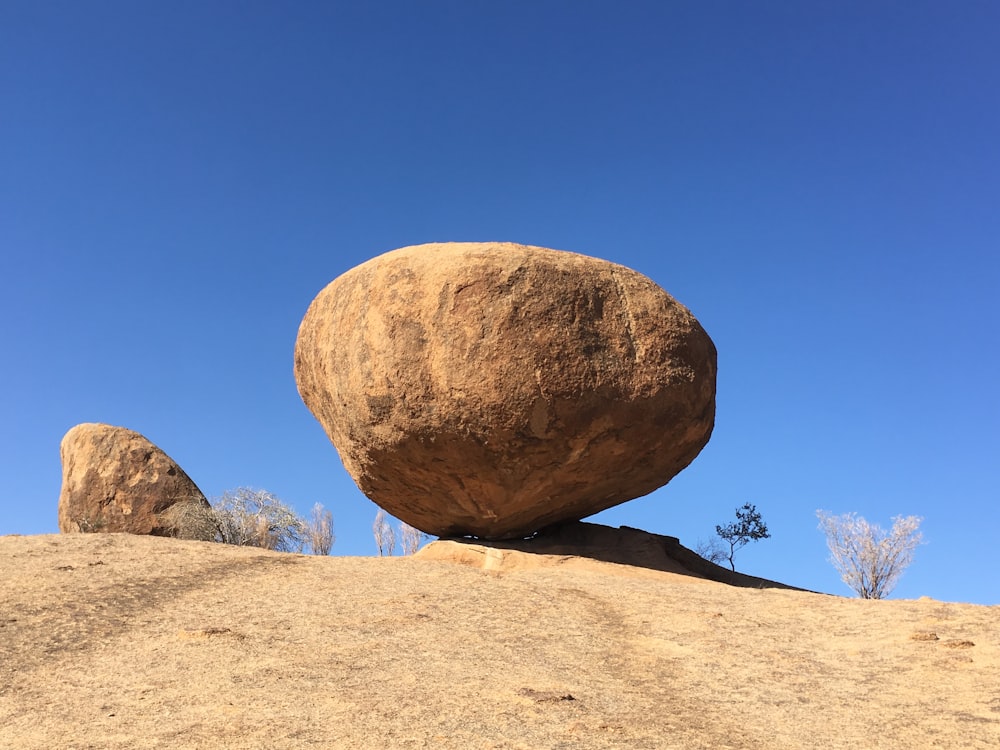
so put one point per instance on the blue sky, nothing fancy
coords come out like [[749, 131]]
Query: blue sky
[[818, 182]]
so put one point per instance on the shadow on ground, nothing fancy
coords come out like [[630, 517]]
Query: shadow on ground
[[624, 546]]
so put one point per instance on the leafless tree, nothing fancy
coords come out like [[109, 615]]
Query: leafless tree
[[410, 538], [256, 518], [712, 551], [385, 537], [869, 559], [319, 530]]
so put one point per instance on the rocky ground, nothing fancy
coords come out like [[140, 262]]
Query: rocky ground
[[115, 641]]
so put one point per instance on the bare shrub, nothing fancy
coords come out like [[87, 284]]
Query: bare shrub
[[712, 551], [191, 520], [385, 537], [869, 559], [86, 525], [319, 530], [256, 518], [410, 538]]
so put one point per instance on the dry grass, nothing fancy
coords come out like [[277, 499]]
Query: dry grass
[[113, 641]]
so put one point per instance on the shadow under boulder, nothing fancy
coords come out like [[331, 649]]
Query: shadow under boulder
[[623, 546]]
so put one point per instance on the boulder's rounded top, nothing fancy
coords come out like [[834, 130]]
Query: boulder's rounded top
[[99, 429], [475, 252]]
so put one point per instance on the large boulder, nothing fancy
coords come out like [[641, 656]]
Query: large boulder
[[493, 389], [115, 480]]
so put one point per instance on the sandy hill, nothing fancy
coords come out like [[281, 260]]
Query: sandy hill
[[112, 641]]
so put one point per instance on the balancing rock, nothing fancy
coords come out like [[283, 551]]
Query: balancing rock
[[493, 389], [115, 480]]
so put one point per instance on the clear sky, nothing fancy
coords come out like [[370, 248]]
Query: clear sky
[[819, 182]]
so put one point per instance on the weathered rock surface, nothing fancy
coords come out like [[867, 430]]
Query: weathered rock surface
[[493, 389], [115, 480], [579, 544]]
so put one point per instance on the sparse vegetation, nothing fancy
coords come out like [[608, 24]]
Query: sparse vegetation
[[407, 537], [410, 538], [748, 527], [319, 530], [90, 526], [712, 550], [256, 518], [385, 536], [192, 520], [869, 559]]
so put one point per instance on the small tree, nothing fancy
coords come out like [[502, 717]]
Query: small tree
[[748, 527], [385, 537], [410, 538], [256, 518], [319, 530], [869, 559]]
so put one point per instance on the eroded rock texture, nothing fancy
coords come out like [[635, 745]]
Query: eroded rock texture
[[492, 389]]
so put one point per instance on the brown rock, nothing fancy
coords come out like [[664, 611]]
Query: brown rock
[[115, 480], [493, 389], [579, 544]]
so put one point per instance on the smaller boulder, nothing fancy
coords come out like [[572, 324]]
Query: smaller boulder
[[115, 480]]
